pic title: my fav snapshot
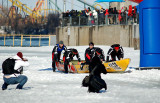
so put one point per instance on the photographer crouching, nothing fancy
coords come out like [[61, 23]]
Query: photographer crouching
[[12, 70]]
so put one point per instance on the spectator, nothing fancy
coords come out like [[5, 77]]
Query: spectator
[[119, 17], [101, 16], [95, 15], [89, 14]]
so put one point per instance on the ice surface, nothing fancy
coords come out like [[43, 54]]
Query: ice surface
[[44, 86]]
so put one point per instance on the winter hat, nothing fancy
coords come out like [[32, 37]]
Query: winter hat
[[91, 43], [61, 42], [116, 48], [20, 54], [75, 51]]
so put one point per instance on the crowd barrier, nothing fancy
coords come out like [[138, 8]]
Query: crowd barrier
[[112, 19]]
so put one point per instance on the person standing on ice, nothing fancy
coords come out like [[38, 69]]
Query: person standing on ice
[[56, 53], [89, 53], [115, 50], [12, 69], [68, 57]]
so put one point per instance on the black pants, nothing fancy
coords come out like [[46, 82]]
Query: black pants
[[113, 56], [66, 63], [56, 58]]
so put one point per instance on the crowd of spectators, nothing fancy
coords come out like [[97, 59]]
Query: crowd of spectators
[[102, 16]]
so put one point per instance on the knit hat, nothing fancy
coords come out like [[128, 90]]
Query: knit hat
[[20, 54], [91, 43], [61, 42], [75, 51]]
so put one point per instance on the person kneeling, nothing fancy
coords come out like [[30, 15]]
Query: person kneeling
[[94, 82], [12, 70]]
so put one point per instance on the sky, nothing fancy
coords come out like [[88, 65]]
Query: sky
[[76, 4]]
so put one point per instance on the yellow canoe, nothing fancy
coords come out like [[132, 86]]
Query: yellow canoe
[[111, 67]]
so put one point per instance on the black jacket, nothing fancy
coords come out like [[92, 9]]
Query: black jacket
[[69, 54], [97, 67], [57, 50], [89, 54], [112, 51]]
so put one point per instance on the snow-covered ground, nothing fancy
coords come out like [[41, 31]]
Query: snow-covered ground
[[44, 86]]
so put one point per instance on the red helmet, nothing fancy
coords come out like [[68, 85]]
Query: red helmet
[[116, 48]]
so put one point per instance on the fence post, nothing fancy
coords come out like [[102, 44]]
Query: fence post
[[30, 40], [116, 20], [4, 40], [49, 39], [62, 22], [126, 20], [106, 19], [70, 20], [97, 20], [21, 40], [40, 40], [13, 40]]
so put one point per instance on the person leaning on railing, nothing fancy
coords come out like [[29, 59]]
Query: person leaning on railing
[[89, 14]]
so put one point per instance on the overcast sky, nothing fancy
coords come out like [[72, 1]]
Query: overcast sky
[[76, 4]]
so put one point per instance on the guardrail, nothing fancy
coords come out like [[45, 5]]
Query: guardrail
[[112, 19], [25, 40]]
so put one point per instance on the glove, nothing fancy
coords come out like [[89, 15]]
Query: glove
[[103, 62], [79, 59], [79, 63], [24, 59], [81, 67]]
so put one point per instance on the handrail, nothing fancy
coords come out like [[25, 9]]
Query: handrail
[[26, 36]]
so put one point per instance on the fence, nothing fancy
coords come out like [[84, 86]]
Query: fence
[[112, 19], [25, 40]]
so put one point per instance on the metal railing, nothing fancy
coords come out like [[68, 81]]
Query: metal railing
[[112, 19], [25, 40]]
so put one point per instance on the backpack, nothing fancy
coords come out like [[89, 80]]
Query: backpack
[[97, 84], [8, 66], [85, 81]]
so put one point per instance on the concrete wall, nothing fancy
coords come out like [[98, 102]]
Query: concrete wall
[[108, 35], [126, 35]]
